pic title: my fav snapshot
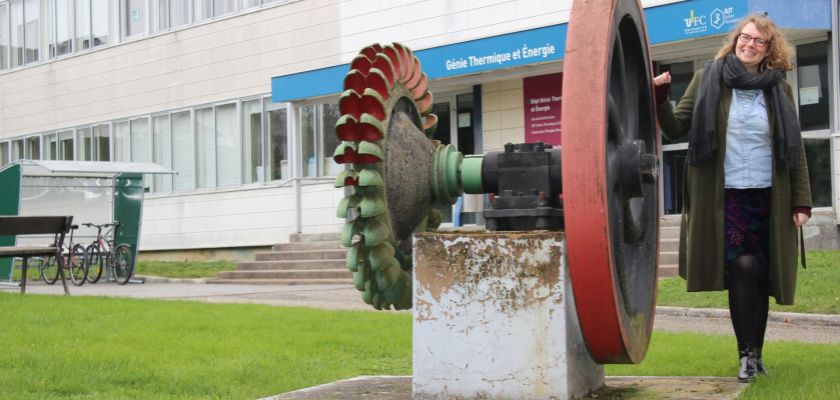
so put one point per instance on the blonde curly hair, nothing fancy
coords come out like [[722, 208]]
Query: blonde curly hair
[[779, 51]]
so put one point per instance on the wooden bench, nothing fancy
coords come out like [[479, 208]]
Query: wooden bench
[[58, 226]]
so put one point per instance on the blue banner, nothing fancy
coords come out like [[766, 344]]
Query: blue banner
[[667, 23], [693, 19], [504, 51]]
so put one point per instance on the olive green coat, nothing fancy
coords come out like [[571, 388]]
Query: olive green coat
[[701, 236]]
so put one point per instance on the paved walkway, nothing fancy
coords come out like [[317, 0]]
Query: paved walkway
[[783, 326]]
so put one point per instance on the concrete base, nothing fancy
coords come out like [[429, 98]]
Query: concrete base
[[494, 318], [618, 387]]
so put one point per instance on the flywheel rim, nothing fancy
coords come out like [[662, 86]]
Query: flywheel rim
[[611, 210]]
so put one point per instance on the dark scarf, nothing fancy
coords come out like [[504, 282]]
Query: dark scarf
[[702, 138]]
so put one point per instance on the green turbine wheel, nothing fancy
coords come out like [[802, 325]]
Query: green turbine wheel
[[384, 127]]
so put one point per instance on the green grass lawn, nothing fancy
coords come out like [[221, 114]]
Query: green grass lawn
[[797, 370], [186, 269], [56, 347], [817, 289]]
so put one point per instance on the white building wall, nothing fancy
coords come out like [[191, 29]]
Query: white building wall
[[503, 113], [250, 217], [237, 56]]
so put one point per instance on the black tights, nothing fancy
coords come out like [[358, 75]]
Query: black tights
[[748, 300]]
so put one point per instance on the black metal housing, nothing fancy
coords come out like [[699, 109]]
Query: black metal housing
[[525, 185]]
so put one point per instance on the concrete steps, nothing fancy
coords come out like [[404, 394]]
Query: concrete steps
[[669, 243], [308, 259], [319, 259]]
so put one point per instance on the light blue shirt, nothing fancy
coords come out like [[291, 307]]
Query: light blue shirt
[[749, 159]]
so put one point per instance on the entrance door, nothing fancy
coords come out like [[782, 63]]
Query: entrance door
[[674, 153], [457, 126]]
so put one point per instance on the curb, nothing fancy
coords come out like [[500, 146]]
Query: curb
[[780, 317], [159, 279]]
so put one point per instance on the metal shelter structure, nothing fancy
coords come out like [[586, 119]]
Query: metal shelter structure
[[91, 191]]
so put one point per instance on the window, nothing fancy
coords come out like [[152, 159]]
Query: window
[[122, 146], [141, 150], [814, 116], [162, 151], [308, 140], [102, 142], [254, 3], [204, 9], [134, 17], [4, 37], [249, 3], [33, 148], [4, 153], [84, 144], [91, 23], [100, 11], [172, 13], [31, 15], [278, 137], [222, 7], [182, 145], [65, 145], [82, 24], [812, 77], [205, 148], [17, 150], [252, 142], [818, 154], [140, 141], [16, 35], [61, 42], [329, 118], [51, 147], [228, 154]]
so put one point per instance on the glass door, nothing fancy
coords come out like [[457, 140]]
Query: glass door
[[457, 118]]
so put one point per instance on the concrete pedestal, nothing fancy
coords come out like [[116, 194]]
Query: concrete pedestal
[[494, 318]]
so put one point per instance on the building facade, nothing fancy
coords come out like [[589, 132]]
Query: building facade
[[240, 96]]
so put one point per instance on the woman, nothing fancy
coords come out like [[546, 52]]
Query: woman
[[746, 184]]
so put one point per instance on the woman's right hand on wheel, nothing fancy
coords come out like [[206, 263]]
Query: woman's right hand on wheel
[[662, 79]]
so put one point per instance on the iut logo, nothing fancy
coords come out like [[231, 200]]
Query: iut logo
[[694, 20]]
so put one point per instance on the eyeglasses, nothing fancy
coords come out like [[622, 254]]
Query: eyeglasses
[[759, 42]]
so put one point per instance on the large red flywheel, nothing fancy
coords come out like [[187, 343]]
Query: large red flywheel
[[610, 162]]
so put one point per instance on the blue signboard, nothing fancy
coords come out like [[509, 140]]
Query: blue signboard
[[667, 23], [504, 51], [511, 50], [693, 19]]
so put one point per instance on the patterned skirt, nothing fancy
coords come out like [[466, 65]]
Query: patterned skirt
[[747, 223]]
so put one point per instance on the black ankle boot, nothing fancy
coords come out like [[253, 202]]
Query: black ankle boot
[[759, 364], [747, 370]]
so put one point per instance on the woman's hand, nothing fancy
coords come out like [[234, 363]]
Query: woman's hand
[[662, 79], [800, 219]]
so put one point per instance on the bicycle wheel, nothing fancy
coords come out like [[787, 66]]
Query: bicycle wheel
[[49, 270], [95, 263], [123, 265], [78, 265]]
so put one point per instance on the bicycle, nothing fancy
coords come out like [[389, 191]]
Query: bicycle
[[103, 254], [72, 258]]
